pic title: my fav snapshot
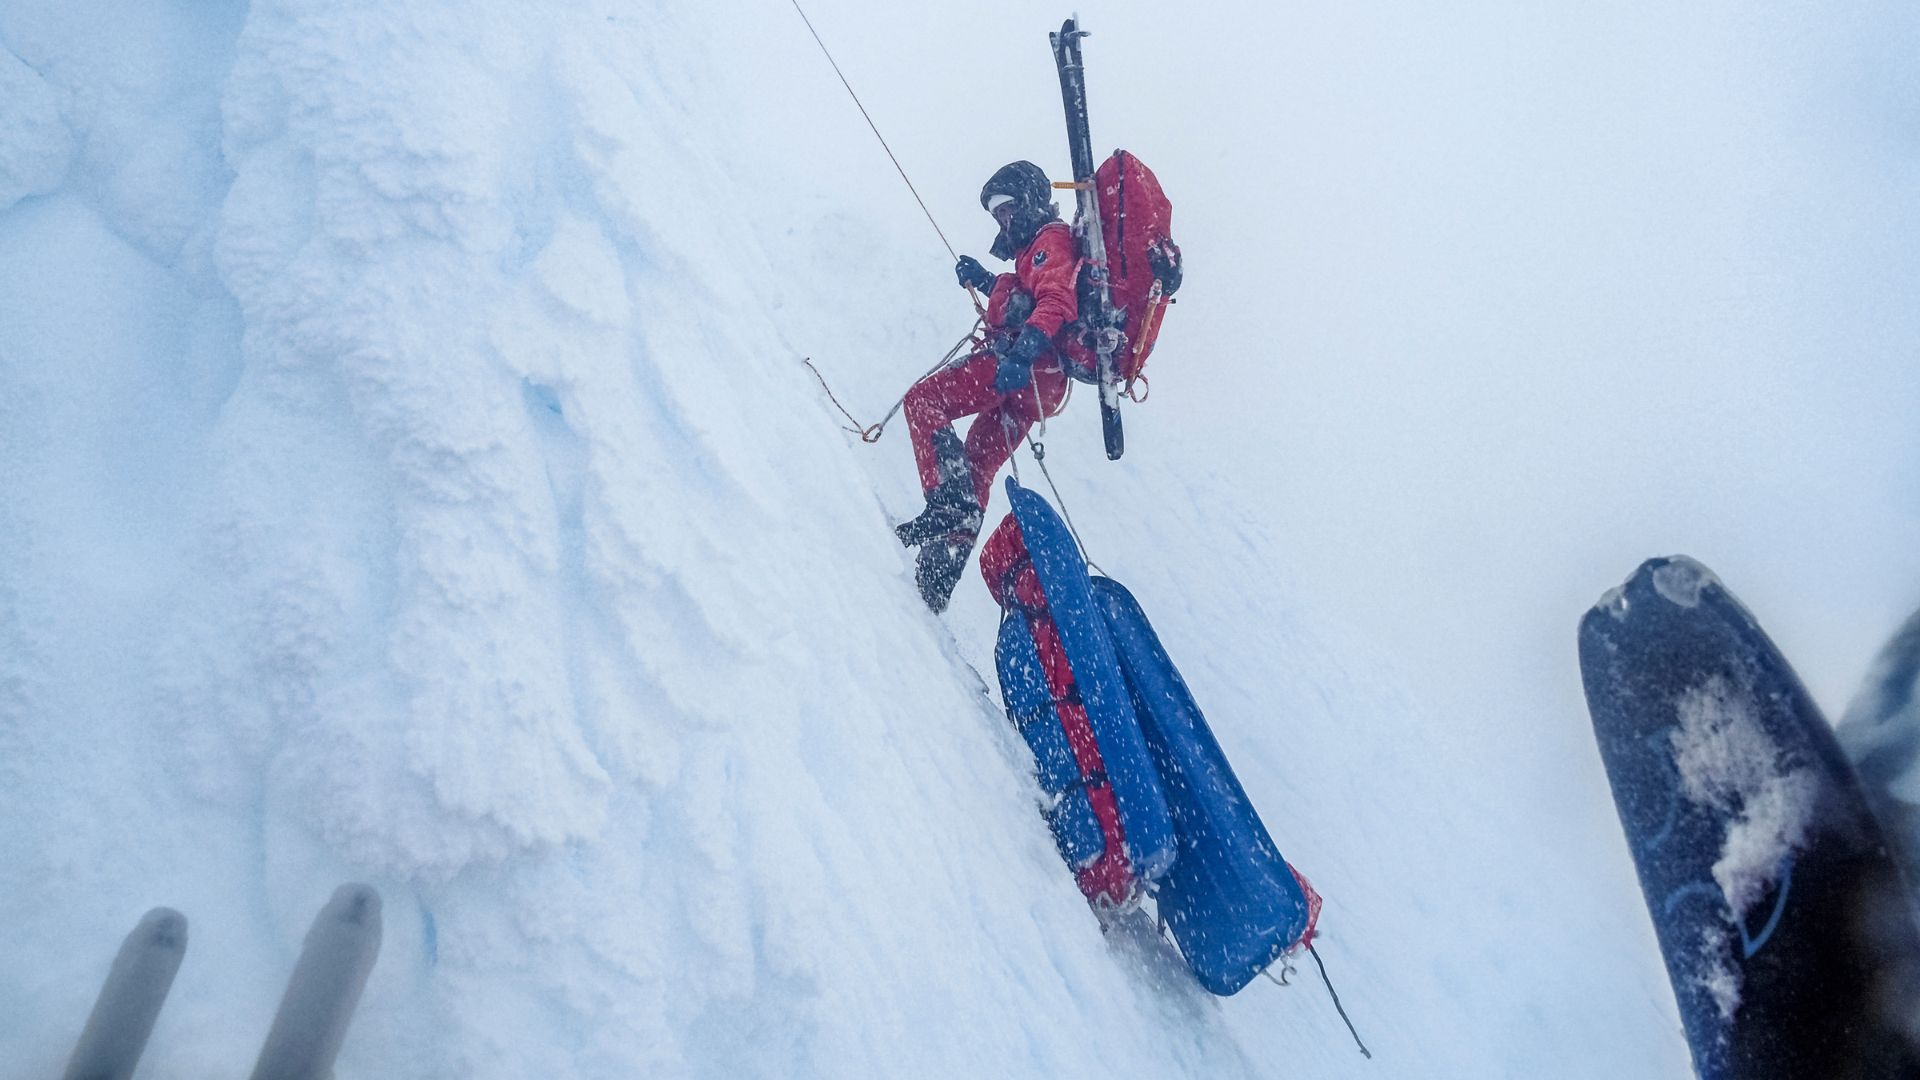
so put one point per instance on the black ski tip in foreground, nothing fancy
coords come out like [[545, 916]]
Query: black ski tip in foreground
[[1787, 930]]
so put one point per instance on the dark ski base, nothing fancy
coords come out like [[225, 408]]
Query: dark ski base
[[1706, 731]]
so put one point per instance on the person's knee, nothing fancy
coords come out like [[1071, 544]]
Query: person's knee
[[922, 409]]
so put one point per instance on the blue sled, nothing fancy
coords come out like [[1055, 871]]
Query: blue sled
[[1144, 818], [1076, 831], [1231, 901]]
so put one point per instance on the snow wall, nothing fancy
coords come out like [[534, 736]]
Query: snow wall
[[409, 476]]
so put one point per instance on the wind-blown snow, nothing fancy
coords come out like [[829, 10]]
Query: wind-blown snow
[[407, 474]]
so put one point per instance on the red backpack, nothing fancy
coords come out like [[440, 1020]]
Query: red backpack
[[1143, 262]]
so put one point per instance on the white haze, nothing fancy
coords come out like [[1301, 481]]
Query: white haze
[[406, 473]]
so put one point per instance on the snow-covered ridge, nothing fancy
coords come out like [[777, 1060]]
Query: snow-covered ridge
[[495, 551], [409, 476]]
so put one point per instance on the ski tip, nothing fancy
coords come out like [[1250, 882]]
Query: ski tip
[[162, 928], [353, 904], [1677, 579]]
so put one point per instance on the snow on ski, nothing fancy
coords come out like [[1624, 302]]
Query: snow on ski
[[1786, 929]]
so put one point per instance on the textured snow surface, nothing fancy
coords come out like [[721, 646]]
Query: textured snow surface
[[407, 475], [34, 143], [407, 481]]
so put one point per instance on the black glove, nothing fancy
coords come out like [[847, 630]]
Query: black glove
[[1016, 360], [973, 275]]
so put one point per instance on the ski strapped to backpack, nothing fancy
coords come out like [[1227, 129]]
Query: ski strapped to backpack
[[1131, 266], [1143, 262]]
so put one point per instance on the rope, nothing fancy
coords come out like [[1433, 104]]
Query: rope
[[876, 130], [1364, 1052], [871, 432], [1040, 458], [857, 428], [1035, 442], [883, 145]]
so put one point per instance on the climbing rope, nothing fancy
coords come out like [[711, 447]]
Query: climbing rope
[[876, 129], [872, 432], [897, 167]]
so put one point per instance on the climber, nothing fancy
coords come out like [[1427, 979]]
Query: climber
[[1008, 384]]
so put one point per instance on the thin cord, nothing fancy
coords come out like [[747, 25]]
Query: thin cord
[[872, 432], [1364, 1052], [1040, 459], [876, 132], [856, 429]]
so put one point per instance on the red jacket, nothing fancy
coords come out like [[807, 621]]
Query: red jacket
[[1044, 272]]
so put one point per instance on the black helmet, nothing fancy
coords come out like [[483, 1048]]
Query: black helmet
[[1022, 181], [1027, 190]]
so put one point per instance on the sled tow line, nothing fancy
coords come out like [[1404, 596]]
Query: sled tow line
[[1036, 443], [1364, 1052]]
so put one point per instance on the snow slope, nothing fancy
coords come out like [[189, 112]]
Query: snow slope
[[407, 475]]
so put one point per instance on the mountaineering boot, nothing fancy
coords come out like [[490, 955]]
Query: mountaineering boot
[[941, 561], [951, 505]]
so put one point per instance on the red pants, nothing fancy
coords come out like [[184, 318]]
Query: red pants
[[1003, 420]]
